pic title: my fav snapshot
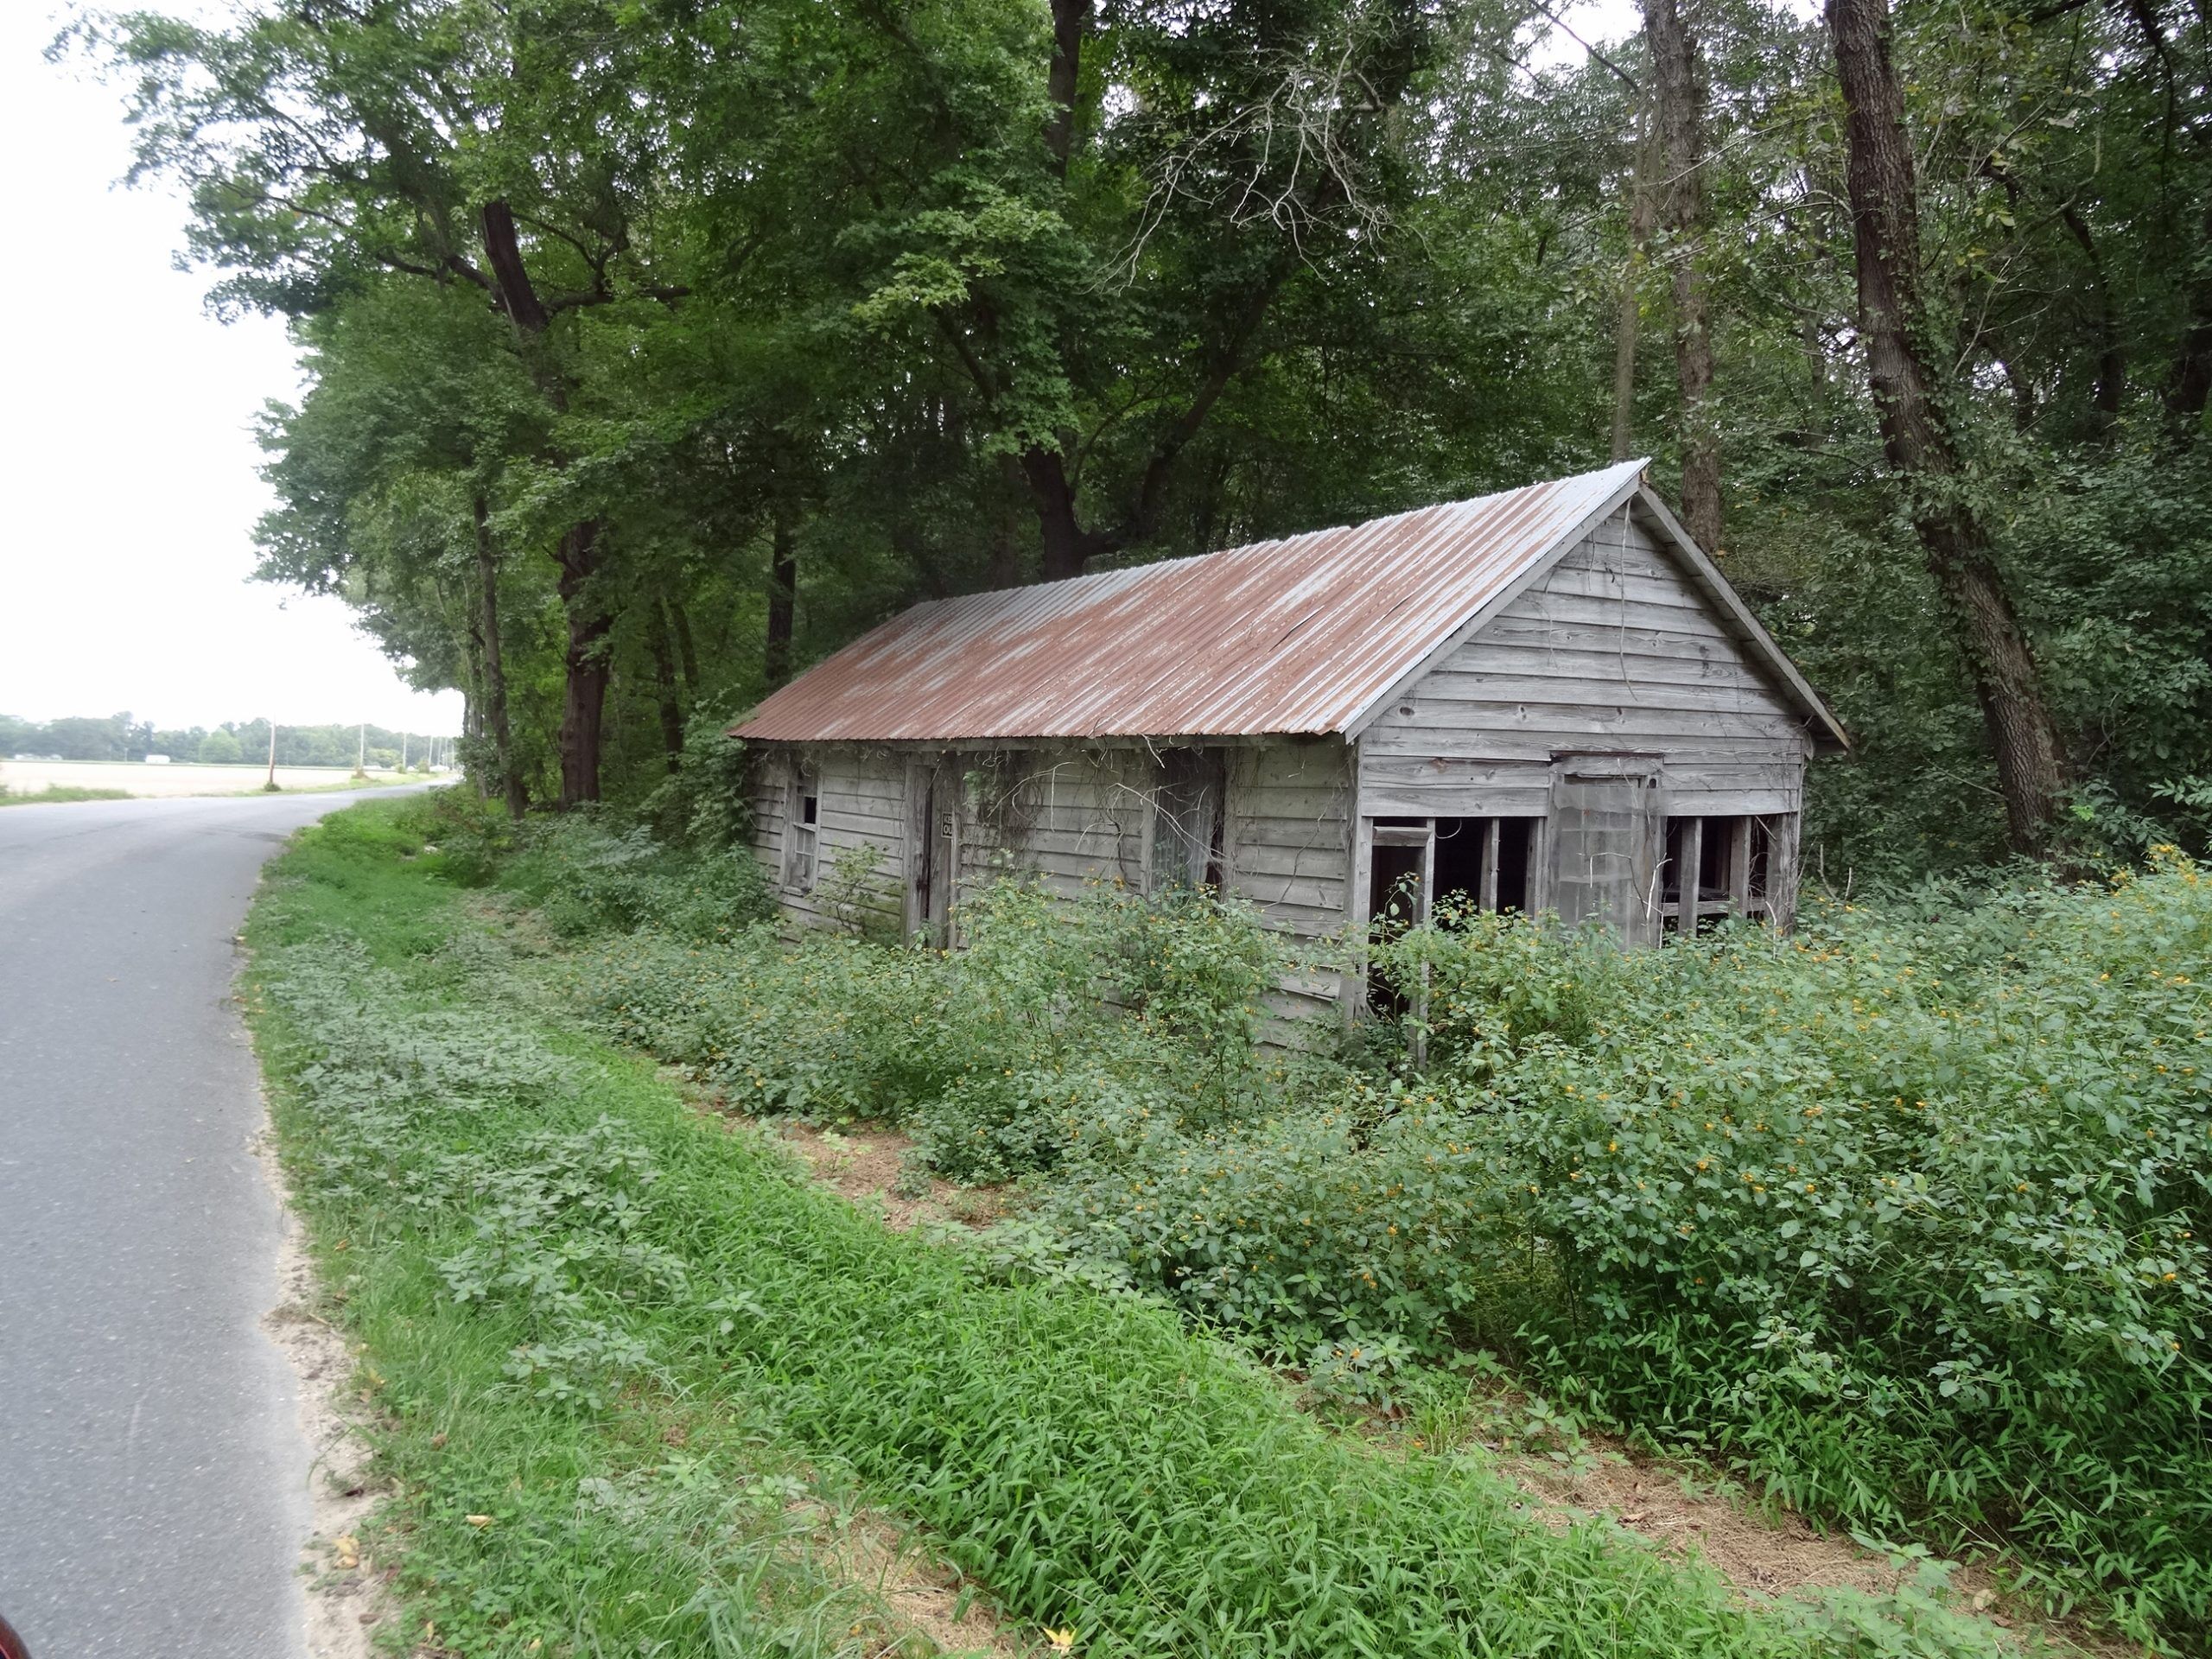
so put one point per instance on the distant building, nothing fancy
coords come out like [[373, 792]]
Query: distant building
[[1545, 699], [157, 759]]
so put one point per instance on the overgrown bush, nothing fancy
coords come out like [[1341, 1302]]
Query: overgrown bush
[[704, 804], [992, 1053], [592, 875]]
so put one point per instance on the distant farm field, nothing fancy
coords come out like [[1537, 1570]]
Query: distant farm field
[[135, 778]]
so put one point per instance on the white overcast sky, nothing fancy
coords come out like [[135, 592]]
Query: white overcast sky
[[127, 461]]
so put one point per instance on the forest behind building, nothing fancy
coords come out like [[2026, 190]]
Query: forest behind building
[[655, 348]]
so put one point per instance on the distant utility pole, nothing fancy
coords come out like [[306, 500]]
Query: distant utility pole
[[361, 756], [272, 783], [403, 751]]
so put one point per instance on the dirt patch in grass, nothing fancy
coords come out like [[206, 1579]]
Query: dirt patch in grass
[[868, 1164], [919, 1595], [1758, 1552], [1683, 1508]]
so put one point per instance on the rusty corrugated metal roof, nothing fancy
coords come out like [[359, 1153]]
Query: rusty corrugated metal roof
[[1298, 635]]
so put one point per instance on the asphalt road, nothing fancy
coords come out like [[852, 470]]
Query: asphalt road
[[153, 1477]]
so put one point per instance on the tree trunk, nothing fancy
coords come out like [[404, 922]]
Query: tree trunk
[[494, 716], [1005, 567], [664, 693], [584, 663], [1917, 435], [783, 603], [1071, 21], [1678, 115], [1629, 316], [584, 701], [687, 653], [472, 709], [1068, 546]]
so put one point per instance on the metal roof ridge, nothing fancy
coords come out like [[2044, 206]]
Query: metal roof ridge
[[1063, 583]]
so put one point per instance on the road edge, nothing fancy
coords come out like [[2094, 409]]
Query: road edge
[[345, 1597]]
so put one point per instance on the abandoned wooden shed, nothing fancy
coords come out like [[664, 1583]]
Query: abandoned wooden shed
[[1545, 699]]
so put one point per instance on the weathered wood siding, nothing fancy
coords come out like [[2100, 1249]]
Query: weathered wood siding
[[1614, 649], [861, 801], [1287, 846], [1072, 815], [1075, 816]]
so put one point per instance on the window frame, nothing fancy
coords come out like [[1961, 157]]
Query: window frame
[[802, 834], [1187, 832], [1741, 895]]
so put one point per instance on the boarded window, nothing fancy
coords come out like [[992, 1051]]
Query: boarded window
[[1605, 832]]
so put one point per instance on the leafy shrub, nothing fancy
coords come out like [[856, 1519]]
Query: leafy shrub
[[1304, 1231], [474, 837], [990, 1052], [591, 876], [704, 804], [858, 894]]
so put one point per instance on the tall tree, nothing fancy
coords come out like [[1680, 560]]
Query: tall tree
[[497, 725], [494, 149], [1918, 431], [1629, 308], [1678, 112]]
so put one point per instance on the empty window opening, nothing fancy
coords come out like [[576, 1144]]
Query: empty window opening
[[1462, 846], [1517, 864], [1397, 890], [1484, 864], [1716, 866]]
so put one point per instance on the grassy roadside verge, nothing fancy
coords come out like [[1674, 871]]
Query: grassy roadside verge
[[611, 1343], [60, 795]]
